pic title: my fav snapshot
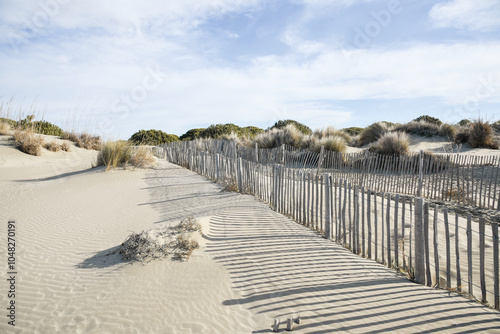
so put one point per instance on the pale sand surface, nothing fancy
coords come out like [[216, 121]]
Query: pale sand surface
[[255, 265]]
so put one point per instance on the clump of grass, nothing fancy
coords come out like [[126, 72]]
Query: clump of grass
[[52, 146], [372, 133], [28, 142], [332, 143], [330, 131], [448, 131], [419, 128], [481, 135], [65, 146], [288, 135], [174, 242], [396, 143], [114, 154], [230, 184], [143, 157]]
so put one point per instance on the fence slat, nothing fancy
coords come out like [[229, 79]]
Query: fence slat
[[482, 223]]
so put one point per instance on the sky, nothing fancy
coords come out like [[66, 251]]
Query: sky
[[113, 67]]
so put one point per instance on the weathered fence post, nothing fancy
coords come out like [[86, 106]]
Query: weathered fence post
[[420, 173], [256, 153], [328, 209], [482, 223], [321, 157], [419, 241], [239, 175], [494, 230]]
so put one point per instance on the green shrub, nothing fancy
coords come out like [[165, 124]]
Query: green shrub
[[299, 126], [152, 137], [428, 119], [46, 128], [395, 143], [372, 133], [192, 134], [464, 122]]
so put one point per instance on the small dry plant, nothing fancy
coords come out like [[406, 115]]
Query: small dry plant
[[65, 146], [5, 128], [230, 184], [455, 194], [28, 142], [52, 146], [143, 157], [174, 242]]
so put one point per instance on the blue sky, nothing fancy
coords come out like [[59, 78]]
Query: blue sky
[[114, 67]]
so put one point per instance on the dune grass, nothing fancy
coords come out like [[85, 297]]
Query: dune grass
[[481, 135], [288, 135], [395, 143], [120, 154], [331, 143], [372, 133]]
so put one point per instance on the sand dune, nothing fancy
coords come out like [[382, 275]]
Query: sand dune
[[255, 265]]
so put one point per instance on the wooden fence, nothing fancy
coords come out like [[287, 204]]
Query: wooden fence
[[430, 243], [462, 179]]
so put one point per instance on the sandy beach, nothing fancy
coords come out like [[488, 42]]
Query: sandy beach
[[254, 265]]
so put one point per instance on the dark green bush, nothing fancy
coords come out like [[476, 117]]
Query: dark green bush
[[301, 127], [428, 119], [192, 134], [152, 137], [46, 128]]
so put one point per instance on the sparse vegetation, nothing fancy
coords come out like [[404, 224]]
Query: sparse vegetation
[[5, 127], [396, 143], [175, 242], [353, 131], [84, 140]]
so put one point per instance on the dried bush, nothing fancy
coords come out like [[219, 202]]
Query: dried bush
[[52, 146], [332, 143], [396, 143], [143, 157], [481, 135], [5, 128], [372, 133], [158, 243], [28, 142], [65, 146]]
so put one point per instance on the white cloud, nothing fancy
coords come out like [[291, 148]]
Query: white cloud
[[478, 15]]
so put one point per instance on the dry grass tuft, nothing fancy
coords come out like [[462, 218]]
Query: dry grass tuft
[[143, 157], [5, 128], [114, 154], [396, 143], [447, 130], [372, 133], [332, 143], [174, 242], [52, 146], [28, 142], [65, 146], [288, 135], [481, 135]]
